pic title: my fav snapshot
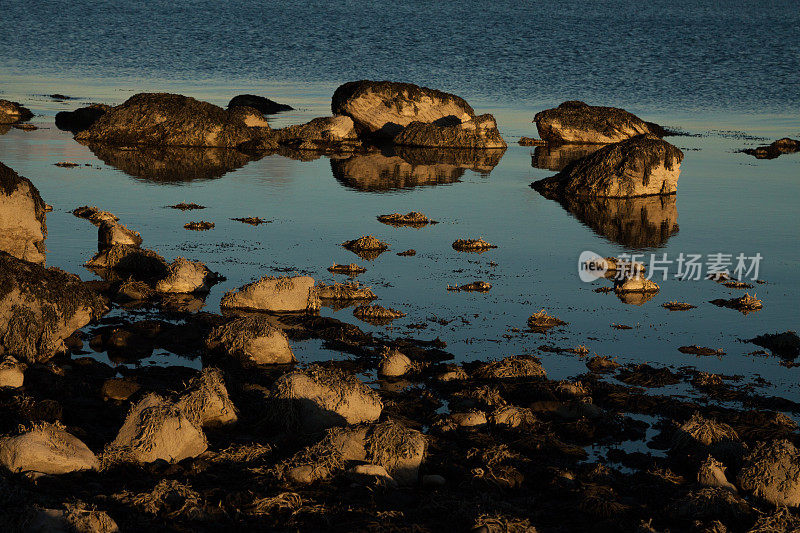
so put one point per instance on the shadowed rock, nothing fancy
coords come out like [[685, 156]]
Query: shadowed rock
[[641, 166], [476, 133], [13, 112], [171, 164], [771, 151], [406, 167], [251, 339], [40, 307], [23, 227], [578, 122], [557, 156], [321, 133], [161, 119], [82, 118], [384, 108], [645, 222], [260, 103]]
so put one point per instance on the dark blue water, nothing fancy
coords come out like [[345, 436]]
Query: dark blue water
[[733, 55]]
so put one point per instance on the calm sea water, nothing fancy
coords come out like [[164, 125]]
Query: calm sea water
[[725, 71]]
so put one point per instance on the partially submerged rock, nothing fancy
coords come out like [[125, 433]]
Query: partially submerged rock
[[777, 148], [39, 308], [46, 449], [413, 218], [700, 350], [578, 122], [475, 286], [376, 314], [384, 108], [278, 295], [543, 320], [95, 215], [675, 305], [745, 303], [200, 225], [771, 471], [23, 226], [253, 221], [172, 120], [786, 344], [472, 245], [352, 269], [111, 233], [253, 339], [641, 166], [185, 276], [156, 429], [636, 283], [184, 206], [260, 103], [127, 259], [321, 133], [12, 372], [318, 398], [602, 363], [82, 118], [476, 133], [206, 402], [13, 112], [367, 243], [512, 367], [345, 291]]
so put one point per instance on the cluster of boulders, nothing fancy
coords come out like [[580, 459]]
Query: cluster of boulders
[[364, 112]]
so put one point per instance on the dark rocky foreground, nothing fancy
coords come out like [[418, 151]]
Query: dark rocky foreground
[[396, 437]]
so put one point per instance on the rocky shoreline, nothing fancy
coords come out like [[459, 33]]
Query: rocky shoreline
[[397, 436]]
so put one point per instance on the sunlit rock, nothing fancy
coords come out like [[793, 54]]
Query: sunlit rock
[[23, 227]]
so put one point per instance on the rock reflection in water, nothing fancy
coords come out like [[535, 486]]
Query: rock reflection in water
[[405, 167], [171, 164], [643, 222], [557, 156]]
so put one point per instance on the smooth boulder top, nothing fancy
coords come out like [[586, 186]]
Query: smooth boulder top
[[278, 295], [13, 112], [384, 108], [262, 104], [165, 119], [40, 307], [23, 227], [642, 166], [47, 449], [577, 122]]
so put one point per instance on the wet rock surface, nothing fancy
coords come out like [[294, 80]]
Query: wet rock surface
[[640, 166], [13, 112], [476, 133], [578, 122], [776, 149], [23, 225]]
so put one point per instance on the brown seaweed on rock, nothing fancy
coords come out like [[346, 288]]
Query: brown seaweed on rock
[[23, 225]]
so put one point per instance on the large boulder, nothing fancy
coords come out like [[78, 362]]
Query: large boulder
[[126, 259], [23, 227], [252, 339], [641, 166], [578, 122], [154, 429], [47, 449], [12, 372], [40, 307], [12, 112], [163, 119], [260, 103], [82, 118], [206, 402], [111, 233], [321, 133], [771, 471], [185, 276], [477, 133], [319, 398], [384, 108], [277, 295]]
